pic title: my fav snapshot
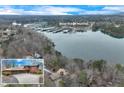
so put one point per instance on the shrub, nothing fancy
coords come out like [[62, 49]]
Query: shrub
[[39, 72], [47, 49], [99, 64], [119, 67], [62, 83], [83, 77]]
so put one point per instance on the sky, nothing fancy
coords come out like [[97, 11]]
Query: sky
[[61, 10], [23, 62]]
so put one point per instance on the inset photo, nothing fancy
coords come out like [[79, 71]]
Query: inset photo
[[22, 71]]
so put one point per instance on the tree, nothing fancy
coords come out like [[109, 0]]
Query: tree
[[99, 64], [83, 78], [119, 67]]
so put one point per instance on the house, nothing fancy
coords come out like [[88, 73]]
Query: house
[[61, 72], [37, 55], [32, 69], [54, 76], [15, 70], [23, 69], [4, 35], [16, 24], [116, 25]]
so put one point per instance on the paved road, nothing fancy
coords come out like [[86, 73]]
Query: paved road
[[9, 79], [27, 78]]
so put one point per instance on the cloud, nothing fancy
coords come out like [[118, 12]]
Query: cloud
[[6, 10], [54, 10], [106, 10], [59, 10], [42, 10], [114, 8], [101, 12]]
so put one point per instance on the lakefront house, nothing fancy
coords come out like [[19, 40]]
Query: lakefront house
[[24, 69]]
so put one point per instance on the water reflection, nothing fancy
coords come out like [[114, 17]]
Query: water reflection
[[89, 45]]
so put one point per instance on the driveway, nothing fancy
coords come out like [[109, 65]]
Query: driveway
[[9, 79], [28, 78]]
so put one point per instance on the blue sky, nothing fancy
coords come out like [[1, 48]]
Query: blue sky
[[60, 10], [23, 62]]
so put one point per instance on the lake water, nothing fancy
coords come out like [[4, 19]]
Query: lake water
[[89, 46]]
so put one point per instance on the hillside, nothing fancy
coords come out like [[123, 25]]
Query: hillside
[[76, 72]]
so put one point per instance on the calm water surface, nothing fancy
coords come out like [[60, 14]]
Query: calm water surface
[[89, 46]]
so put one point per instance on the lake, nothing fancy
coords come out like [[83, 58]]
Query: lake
[[89, 46]]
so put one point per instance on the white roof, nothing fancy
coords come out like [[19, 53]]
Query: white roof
[[54, 76]]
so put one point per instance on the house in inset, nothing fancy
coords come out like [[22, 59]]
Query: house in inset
[[24, 69], [32, 68]]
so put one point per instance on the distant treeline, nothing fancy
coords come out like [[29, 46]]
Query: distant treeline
[[61, 18]]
